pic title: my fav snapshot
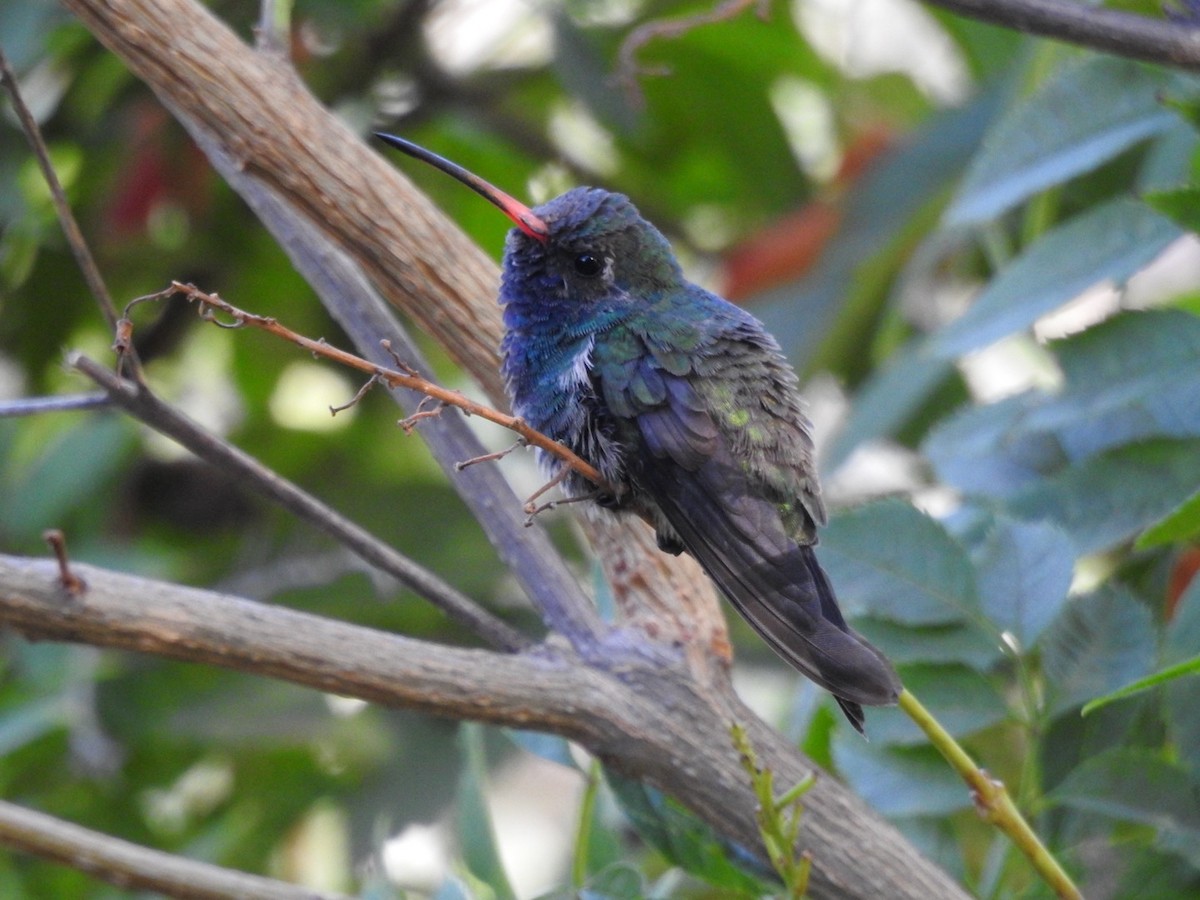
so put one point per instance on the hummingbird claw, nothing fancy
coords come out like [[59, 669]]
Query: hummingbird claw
[[556, 480]]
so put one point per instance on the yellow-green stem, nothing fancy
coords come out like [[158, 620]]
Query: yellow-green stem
[[583, 835], [992, 799]]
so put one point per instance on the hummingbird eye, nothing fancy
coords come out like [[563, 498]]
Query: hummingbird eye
[[588, 265]]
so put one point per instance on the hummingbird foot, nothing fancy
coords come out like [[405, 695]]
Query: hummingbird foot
[[531, 507], [600, 496]]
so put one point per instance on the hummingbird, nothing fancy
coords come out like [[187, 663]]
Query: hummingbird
[[686, 405]]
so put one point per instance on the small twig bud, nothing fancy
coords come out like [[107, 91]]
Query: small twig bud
[[72, 583]]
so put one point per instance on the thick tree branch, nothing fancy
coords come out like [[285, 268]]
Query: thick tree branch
[[271, 127], [652, 722], [164, 619], [128, 865], [1125, 34], [239, 466]]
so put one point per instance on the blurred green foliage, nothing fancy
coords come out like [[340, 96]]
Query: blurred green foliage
[[1028, 594]]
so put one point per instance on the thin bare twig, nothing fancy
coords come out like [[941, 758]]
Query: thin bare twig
[[358, 395], [139, 402], [79, 248], [391, 377], [425, 410], [70, 582], [490, 457], [531, 509], [35, 406], [132, 866], [1123, 33], [628, 68]]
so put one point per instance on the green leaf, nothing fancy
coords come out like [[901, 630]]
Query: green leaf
[[1183, 636], [1149, 873], [990, 451], [1136, 785], [1098, 643], [476, 835], [1168, 160], [1112, 241], [968, 644], [683, 839], [619, 881], [961, 699], [1109, 498], [25, 27], [890, 397], [454, 888], [1024, 570], [1162, 676], [1133, 376], [1183, 696], [1129, 378], [25, 724], [1079, 118], [899, 781], [547, 746], [1182, 524], [1181, 204], [70, 467], [891, 561], [877, 213]]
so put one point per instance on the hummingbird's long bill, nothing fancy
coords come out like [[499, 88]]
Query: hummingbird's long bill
[[523, 217]]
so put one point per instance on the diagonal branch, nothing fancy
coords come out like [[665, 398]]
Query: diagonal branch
[[140, 403], [358, 308], [1123, 33], [79, 248], [129, 865], [390, 377]]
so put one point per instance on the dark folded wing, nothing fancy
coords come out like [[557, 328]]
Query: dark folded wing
[[775, 583], [717, 439]]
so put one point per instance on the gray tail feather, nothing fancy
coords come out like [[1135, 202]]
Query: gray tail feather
[[779, 588]]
